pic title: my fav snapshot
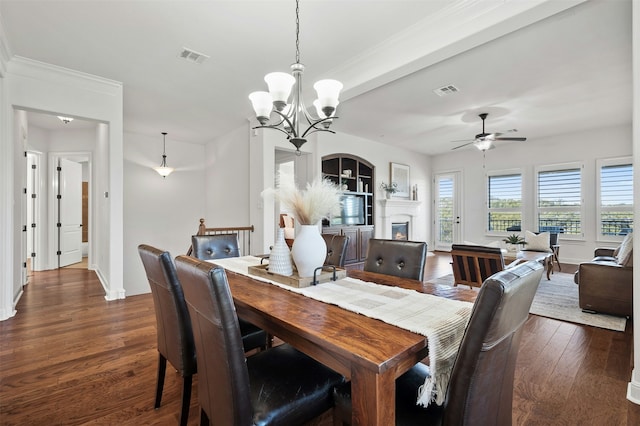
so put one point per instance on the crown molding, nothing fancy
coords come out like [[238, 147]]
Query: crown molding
[[31, 68]]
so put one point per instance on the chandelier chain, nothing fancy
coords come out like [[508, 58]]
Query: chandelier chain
[[297, 31]]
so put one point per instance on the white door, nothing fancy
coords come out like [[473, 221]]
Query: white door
[[447, 210], [70, 213]]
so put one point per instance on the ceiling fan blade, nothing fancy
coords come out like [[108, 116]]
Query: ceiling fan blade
[[511, 139], [463, 140], [461, 146]]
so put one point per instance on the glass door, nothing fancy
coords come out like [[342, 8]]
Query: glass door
[[447, 210]]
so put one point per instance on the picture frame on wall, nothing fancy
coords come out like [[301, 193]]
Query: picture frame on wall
[[400, 176]]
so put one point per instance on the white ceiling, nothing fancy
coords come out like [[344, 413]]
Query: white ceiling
[[567, 72]]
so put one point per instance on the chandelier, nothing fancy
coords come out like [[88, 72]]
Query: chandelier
[[163, 170], [293, 117]]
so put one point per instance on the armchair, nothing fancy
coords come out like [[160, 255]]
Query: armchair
[[606, 283]]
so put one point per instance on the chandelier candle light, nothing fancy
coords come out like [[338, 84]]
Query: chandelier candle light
[[163, 170], [291, 115]]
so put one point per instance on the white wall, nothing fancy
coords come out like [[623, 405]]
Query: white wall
[[162, 212], [584, 147]]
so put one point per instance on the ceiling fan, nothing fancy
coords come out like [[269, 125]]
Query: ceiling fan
[[484, 141]]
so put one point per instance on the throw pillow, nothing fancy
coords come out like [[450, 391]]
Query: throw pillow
[[626, 250], [538, 242]]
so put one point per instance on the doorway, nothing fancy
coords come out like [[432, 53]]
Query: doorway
[[447, 207]]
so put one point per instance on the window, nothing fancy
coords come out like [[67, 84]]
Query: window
[[559, 199], [504, 202], [615, 198]]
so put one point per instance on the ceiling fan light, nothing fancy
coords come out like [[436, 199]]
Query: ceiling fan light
[[280, 84], [483, 144], [328, 92]]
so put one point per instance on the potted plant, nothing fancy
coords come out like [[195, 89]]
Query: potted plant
[[389, 189], [513, 241]]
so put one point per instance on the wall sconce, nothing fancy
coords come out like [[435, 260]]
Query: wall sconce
[[163, 170]]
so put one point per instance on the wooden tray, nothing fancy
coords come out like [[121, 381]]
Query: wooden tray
[[294, 280]]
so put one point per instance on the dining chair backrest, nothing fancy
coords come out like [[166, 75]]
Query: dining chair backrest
[[173, 323], [472, 264], [223, 384], [481, 384], [404, 259], [336, 249], [217, 246]]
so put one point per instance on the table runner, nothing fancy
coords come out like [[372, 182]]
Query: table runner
[[441, 320]]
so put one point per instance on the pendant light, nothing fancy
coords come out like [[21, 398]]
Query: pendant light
[[163, 170]]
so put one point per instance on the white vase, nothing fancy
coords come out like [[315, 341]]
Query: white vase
[[309, 250], [280, 256]]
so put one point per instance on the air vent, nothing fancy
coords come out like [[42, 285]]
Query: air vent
[[192, 56], [449, 89]]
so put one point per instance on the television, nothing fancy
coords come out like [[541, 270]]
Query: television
[[351, 211]]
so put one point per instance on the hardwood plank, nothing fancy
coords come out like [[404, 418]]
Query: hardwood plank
[[71, 358]]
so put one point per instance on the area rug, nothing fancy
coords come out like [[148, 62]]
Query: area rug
[[558, 299]]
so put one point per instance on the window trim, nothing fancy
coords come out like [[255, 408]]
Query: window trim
[[600, 163], [559, 167]]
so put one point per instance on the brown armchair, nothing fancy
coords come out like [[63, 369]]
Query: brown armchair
[[473, 264], [606, 283]]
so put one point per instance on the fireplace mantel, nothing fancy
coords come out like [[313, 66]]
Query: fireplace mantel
[[390, 207], [398, 210]]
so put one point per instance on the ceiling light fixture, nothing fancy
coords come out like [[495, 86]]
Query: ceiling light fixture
[[65, 120], [292, 114], [163, 170]]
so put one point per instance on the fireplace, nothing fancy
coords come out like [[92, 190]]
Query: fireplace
[[398, 217], [400, 231]]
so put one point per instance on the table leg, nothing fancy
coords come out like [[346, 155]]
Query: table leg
[[373, 397], [549, 264]]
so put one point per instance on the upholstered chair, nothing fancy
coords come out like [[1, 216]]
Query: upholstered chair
[[216, 246], [404, 259], [336, 249], [606, 282], [221, 246], [278, 386], [480, 390], [175, 336]]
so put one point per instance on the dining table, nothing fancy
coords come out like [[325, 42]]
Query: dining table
[[368, 352]]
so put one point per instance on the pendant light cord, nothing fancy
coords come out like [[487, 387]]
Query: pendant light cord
[[297, 31]]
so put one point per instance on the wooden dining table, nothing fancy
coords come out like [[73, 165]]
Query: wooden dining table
[[369, 352]]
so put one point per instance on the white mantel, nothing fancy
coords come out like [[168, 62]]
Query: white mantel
[[398, 210]]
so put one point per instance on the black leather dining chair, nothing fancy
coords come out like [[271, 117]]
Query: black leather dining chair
[[480, 391], [175, 336], [336, 249], [221, 246], [404, 259], [278, 386]]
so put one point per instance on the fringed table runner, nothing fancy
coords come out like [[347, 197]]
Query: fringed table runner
[[441, 320]]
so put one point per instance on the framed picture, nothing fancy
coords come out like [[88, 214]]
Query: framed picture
[[400, 175]]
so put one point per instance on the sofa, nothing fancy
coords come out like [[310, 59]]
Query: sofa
[[606, 282]]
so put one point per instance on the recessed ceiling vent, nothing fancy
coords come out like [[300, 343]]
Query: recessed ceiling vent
[[449, 89], [192, 56]]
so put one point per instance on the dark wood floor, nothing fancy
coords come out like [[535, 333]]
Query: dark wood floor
[[70, 358]]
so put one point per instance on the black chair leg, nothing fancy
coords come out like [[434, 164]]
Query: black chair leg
[[186, 400], [204, 419], [162, 368]]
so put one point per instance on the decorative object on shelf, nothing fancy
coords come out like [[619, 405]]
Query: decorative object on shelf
[[292, 115], [163, 170], [65, 120], [319, 200], [513, 241], [389, 189], [280, 256], [415, 193], [400, 175]]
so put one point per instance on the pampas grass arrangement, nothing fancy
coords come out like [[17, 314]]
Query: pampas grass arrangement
[[319, 200]]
